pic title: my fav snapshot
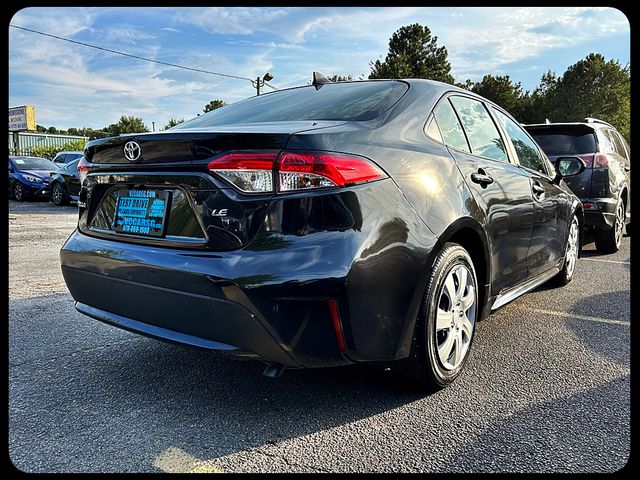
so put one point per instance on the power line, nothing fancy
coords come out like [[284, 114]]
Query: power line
[[135, 56]]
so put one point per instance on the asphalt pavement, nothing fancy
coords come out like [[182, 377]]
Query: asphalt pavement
[[546, 387]]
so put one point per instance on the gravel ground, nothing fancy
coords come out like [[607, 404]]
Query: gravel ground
[[546, 388]]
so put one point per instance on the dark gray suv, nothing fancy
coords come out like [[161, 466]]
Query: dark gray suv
[[604, 187]]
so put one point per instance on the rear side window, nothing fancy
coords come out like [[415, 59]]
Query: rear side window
[[527, 151], [449, 126], [433, 131], [605, 143], [617, 144], [342, 101], [482, 133]]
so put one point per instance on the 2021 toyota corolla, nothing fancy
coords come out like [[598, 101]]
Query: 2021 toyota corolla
[[324, 225]]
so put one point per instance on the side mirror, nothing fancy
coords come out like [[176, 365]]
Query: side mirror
[[569, 166]]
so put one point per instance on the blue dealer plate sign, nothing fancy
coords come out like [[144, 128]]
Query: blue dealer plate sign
[[141, 212]]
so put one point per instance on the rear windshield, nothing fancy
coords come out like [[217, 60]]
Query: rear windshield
[[563, 143], [33, 163], [343, 101]]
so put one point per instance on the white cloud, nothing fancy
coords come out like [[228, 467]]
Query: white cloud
[[226, 20], [57, 21], [126, 34]]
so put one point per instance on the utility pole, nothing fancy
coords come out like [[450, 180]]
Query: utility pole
[[258, 86], [153, 126]]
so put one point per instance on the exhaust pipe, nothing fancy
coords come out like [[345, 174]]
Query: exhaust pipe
[[273, 370]]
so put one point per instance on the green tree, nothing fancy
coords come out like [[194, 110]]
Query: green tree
[[214, 104], [52, 130], [340, 78], [593, 87], [413, 53], [467, 85], [173, 122], [41, 129], [51, 151], [127, 124], [500, 90]]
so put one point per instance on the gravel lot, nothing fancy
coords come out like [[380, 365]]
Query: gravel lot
[[546, 388]]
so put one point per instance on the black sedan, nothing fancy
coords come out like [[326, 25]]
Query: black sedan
[[329, 224], [29, 177], [65, 184]]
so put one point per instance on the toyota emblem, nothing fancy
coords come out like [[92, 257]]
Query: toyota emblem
[[132, 151]]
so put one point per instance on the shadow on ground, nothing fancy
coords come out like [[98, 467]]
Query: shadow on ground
[[538, 436]]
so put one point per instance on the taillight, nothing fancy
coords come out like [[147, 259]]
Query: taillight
[[600, 160], [302, 170], [83, 169], [255, 172], [250, 172]]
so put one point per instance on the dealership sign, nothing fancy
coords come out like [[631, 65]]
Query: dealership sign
[[22, 118]]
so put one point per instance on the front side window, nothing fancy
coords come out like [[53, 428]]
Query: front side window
[[528, 154], [450, 128], [482, 133]]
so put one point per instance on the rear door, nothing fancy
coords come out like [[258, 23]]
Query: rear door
[[551, 203], [499, 187]]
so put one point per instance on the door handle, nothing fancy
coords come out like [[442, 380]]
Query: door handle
[[538, 190], [481, 178]]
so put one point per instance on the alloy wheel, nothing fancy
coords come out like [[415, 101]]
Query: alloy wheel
[[57, 194], [455, 317], [18, 192], [571, 255], [619, 226]]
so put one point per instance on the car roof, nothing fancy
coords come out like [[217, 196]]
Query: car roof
[[80, 152], [21, 157]]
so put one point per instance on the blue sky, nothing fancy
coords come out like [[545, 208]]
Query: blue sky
[[75, 86]]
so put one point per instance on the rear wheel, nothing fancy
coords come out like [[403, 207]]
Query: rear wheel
[[18, 191], [57, 194], [570, 255], [608, 241], [446, 322]]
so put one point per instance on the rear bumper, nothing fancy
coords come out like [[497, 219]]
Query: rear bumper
[[269, 300], [602, 213]]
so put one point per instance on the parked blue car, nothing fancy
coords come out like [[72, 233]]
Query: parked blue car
[[29, 177]]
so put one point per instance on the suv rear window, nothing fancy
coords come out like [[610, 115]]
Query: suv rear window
[[343, 101], [565, 142]]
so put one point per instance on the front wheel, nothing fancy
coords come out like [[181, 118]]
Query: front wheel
[[446, 322], [57, 194], [571, 254], [18, 191], [608, 241]]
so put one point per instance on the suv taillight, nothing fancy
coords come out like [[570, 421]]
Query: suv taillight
[[264, 172], [83, 169], [600, 160]]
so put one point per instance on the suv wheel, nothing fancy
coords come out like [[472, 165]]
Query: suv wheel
[[446, 322], [608, 241]]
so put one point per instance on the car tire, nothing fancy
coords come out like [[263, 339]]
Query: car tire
[[571, 254], [608, 241], [446, 321], [18, 192], [57, 194]]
